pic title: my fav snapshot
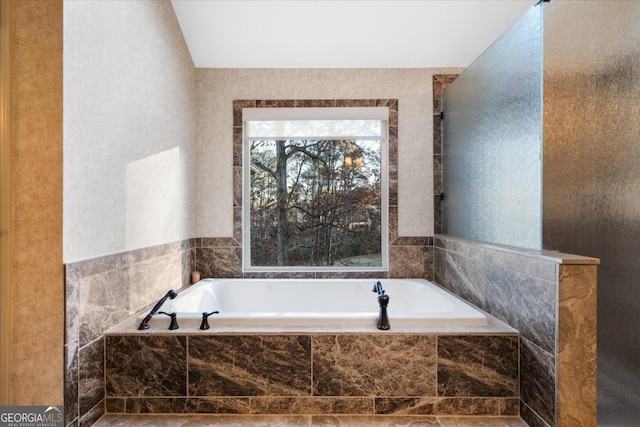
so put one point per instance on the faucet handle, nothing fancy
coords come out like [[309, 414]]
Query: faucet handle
[[174, 321], [205, 322]]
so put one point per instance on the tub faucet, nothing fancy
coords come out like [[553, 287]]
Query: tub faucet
[[383, 300], [145, 322], [174, 321], [204, 325]]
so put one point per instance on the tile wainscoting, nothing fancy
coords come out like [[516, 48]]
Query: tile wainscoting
[[104, 291], [536, 293], [550, 298], [100, 293], [357, 374]]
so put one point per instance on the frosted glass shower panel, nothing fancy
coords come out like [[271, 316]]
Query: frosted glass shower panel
[[492, 142]]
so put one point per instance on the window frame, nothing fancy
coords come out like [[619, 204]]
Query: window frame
[[381, 113]]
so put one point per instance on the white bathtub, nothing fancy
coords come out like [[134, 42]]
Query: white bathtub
[[316, 302]]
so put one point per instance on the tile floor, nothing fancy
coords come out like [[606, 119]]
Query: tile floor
[[111, 420]]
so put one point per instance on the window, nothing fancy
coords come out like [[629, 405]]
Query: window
[[315, 189]]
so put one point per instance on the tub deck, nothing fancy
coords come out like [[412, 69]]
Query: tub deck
[[130, 327]]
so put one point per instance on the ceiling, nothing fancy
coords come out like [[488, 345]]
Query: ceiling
[[342, 33]]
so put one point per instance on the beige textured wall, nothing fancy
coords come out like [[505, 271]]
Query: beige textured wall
[[37, 270], [129, 127], [217, 88]]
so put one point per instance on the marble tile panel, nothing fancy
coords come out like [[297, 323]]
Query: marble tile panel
[[311, 405], [237, 224], [530, 417], [411, 262], [393, 185], [250, 365], [437, 96], [527, 265], [394, 107], [90, 267], [188, 265], [71, 382], [374, 365], [440, 83], [440, 242], [393, 144], [276, 103], [406, 405], [440, 267], [128, 258], [374, 421], [468, 406], [103, 301], [237, 186], [71, 307], [465, 248], [187, 244], [226, 420], [465, 275], [437, 218], [413, 241], [393, 223], [145, 365], [437, 174], [150, 280], [237, 148], [478, 365], [315, 103], [92, 416], [217, 405], [157, 405], [481, 422], [113, 420], [577, 345], [114, 405], [219, 262], [355, 102], [119, 420], [90, 375], [526, 303], [238, 105], [537, 381], [186, 405], [125, 259], [217, 242], [437, 135], [510, 406]]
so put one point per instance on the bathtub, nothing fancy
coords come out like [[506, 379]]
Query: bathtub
[[316, 302]]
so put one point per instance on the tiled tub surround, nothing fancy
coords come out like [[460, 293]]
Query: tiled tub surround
[[409, 257], [550, 298], [504, 282], [100, 293], [379, 374]]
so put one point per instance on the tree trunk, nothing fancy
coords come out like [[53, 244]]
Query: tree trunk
[[281, 203]]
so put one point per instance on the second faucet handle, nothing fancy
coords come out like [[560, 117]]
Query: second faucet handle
[[174, 321], [205, 322]]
